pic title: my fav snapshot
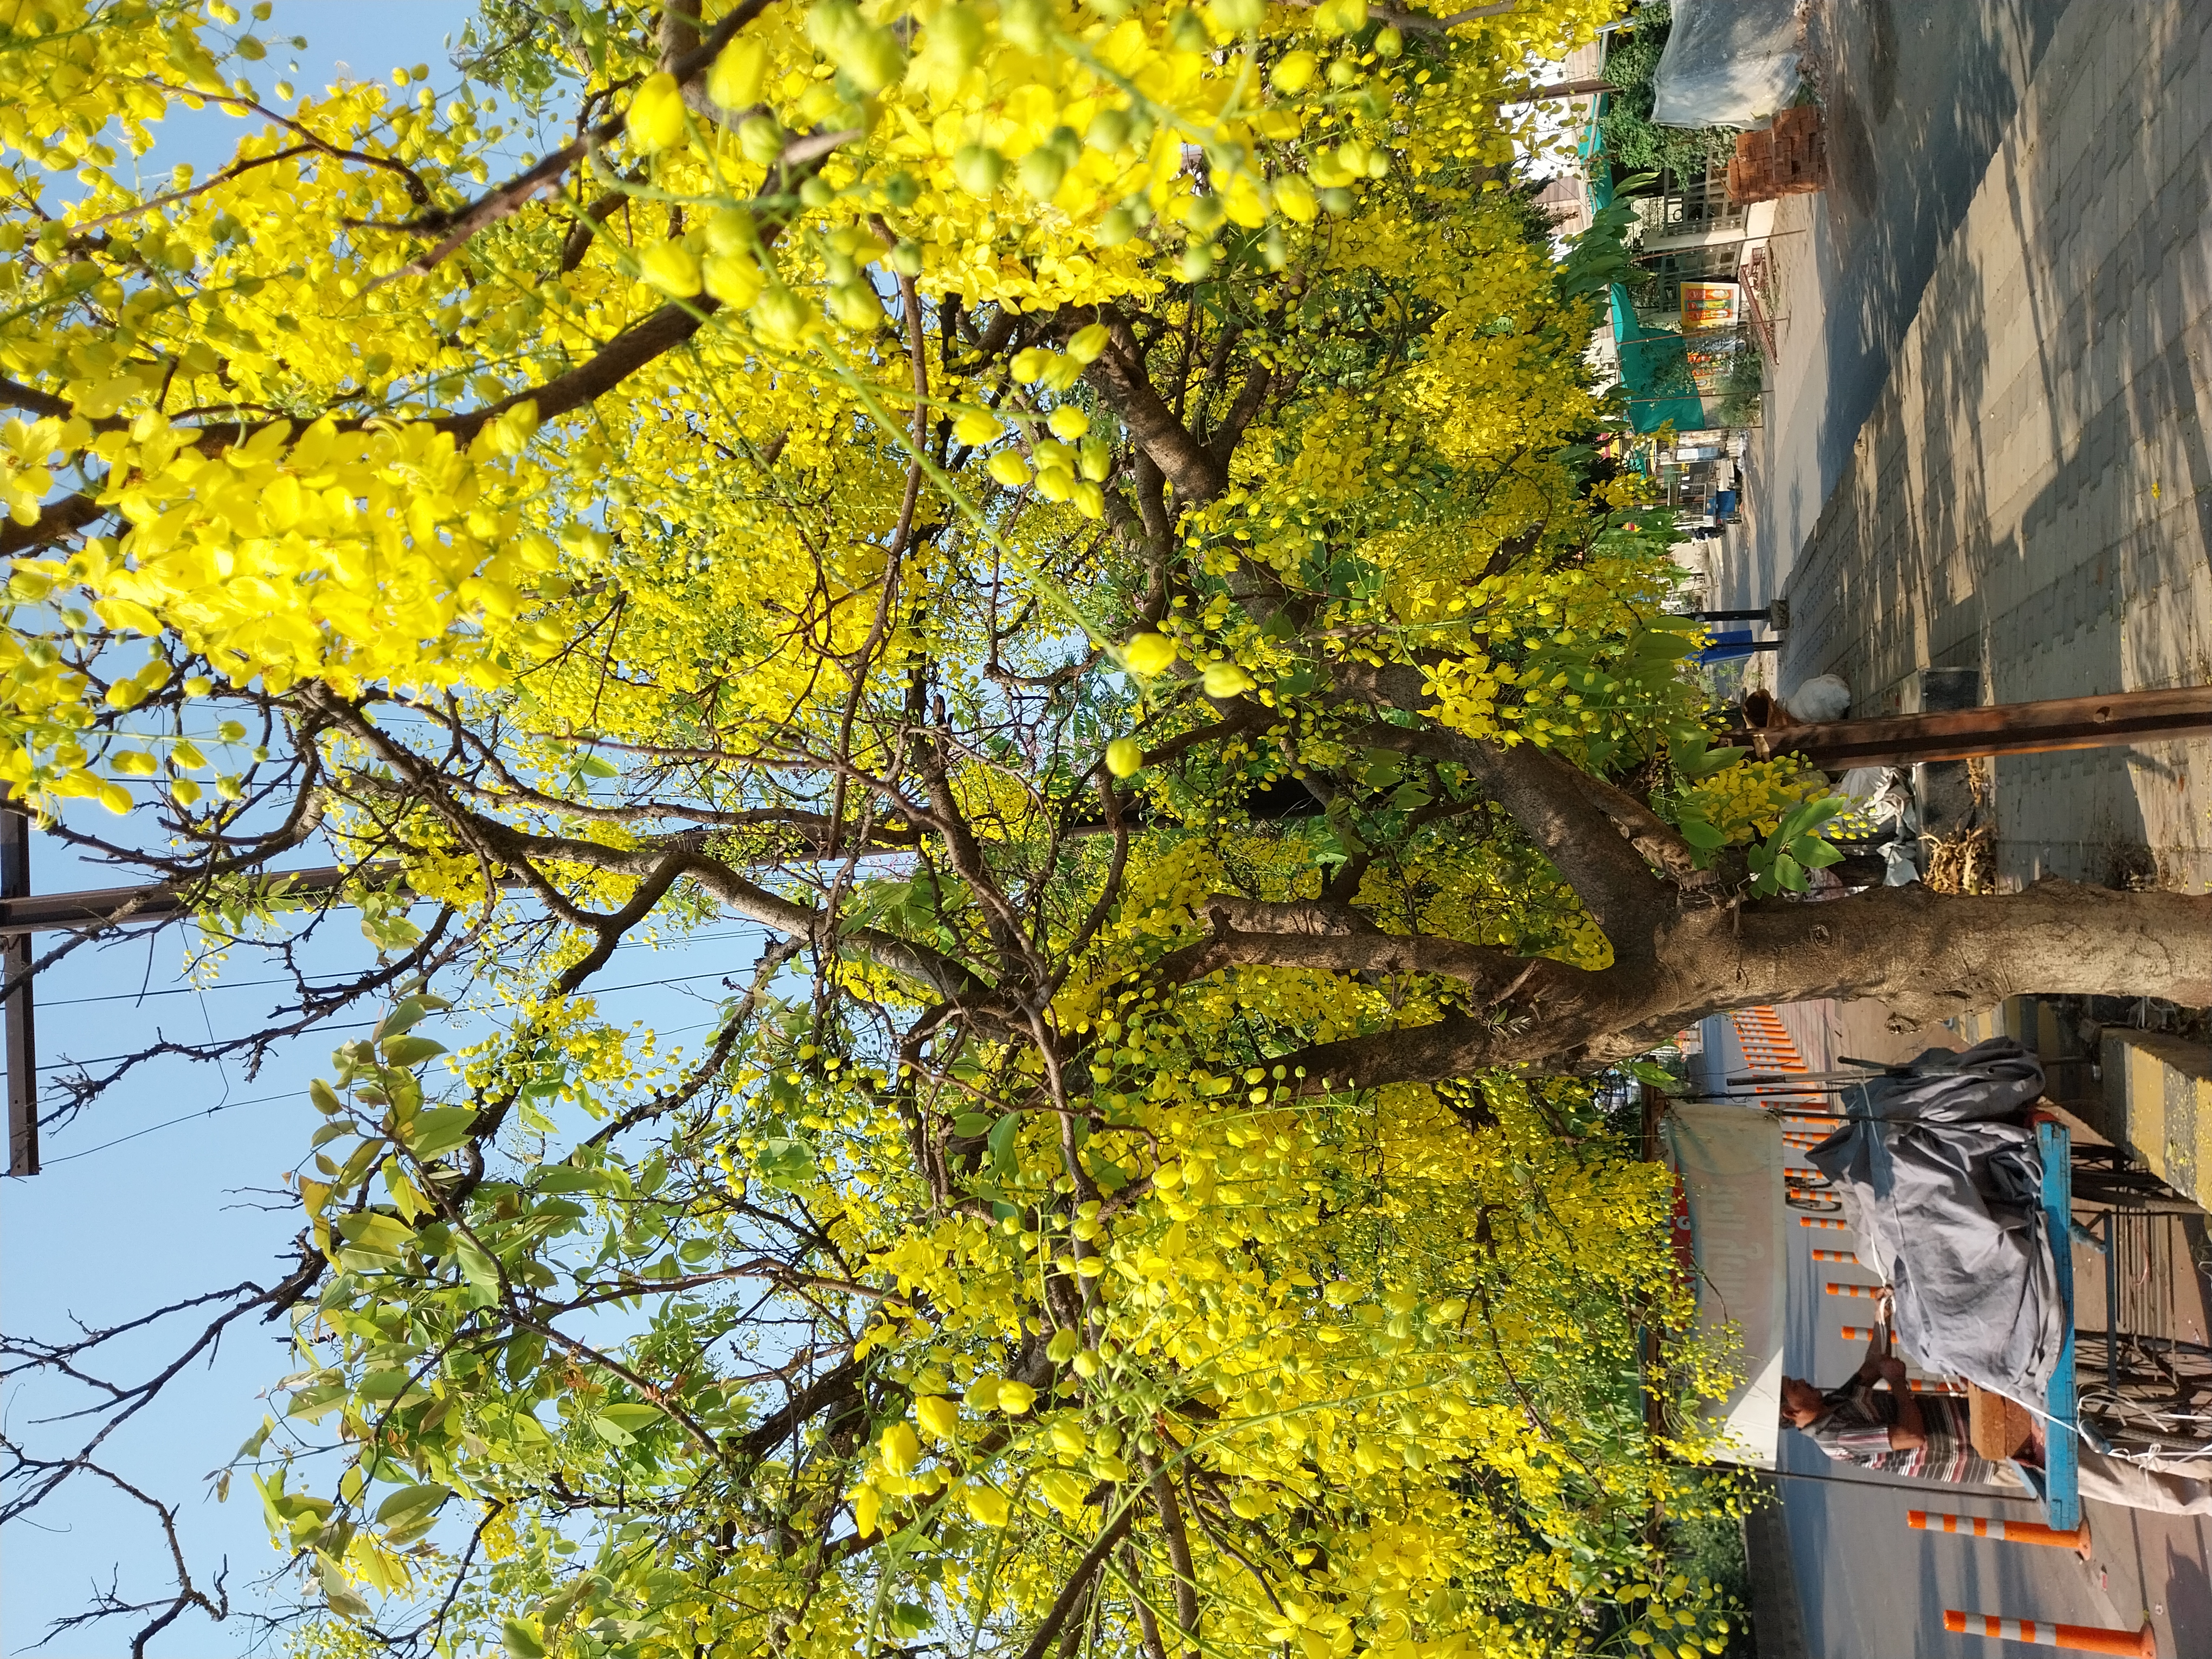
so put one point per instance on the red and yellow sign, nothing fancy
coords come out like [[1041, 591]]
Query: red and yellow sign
[[1708, 305]]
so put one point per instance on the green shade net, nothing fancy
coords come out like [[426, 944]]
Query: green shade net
[[1654, 367], [1655, 363]]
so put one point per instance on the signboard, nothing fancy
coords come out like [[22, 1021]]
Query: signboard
[[1729, 1160], [1708, 305], [1709, 362]]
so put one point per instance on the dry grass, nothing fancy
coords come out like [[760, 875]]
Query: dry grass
[[1967, 862], [1964, 863]]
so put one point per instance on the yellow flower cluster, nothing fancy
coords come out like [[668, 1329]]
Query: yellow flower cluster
[[1747, 801]]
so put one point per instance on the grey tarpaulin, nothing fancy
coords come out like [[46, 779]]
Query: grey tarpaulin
[[1942, 1189], [1726, 63]]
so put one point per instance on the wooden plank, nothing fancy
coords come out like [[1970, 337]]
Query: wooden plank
[[2015, 728], [1998, 1427]]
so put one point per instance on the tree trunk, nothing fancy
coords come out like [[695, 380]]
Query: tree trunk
[[1928, 956]]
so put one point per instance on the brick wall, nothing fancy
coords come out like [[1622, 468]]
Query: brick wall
[[1790, 158]]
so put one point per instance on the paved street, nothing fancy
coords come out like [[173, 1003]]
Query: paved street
[[1985, 444], [1870, 1587]]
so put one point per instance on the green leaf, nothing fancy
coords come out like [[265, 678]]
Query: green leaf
[[784, 1163], [386, 1382], [1790, 873], [1795, 823], [592, 766], [402, 1017], [364, 1160], [477, 1267], [344, 1599], [520, 1640], [411, 1050], [1694, 759], [1817, 854], [567, 1178], [438, 1129], [1002, 1139], [636, 1419], [1409, 797], [1383, 769], [908, 1619], [395, 1509], [968, 1125], [316, 1402], [1701, 836], [1809, 814], [373, 1234], [411, 1529]]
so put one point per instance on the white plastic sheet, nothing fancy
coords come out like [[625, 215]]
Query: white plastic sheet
[[1727, 63], [1730, 1162]]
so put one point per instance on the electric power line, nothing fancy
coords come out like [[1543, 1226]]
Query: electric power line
[[258, 1100]]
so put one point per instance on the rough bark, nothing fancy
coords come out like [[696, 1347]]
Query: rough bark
[[1928, 956]]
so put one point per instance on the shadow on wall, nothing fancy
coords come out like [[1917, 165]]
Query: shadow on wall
[[2042, 472], [2188, 1602], [1915, 106]]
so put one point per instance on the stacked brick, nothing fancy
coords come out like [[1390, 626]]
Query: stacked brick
[[1790, 158]]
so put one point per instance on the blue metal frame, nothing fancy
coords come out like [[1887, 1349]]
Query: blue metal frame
[[2062, 1462]]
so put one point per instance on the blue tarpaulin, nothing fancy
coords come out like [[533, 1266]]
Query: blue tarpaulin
[[1727, 647]]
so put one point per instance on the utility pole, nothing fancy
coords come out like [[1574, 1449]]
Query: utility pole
[[23, 913], [15, 964]]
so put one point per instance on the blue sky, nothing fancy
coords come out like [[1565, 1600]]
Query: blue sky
[[170, 1187], [135, 1207]]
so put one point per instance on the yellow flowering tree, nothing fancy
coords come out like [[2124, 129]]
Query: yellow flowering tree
[[1078, 524]]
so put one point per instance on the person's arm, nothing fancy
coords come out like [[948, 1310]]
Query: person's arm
[[1877, 1350], [1910, 1430]]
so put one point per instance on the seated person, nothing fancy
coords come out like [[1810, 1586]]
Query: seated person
[[1928, 1435], [1897, 1432]]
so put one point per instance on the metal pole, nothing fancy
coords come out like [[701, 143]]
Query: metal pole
[[16, 963], [2112, 1303], [1979, 1494]]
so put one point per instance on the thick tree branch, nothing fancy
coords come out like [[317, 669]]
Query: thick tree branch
[[1327, 937], [1222, 444], [1119, 375], [1080, 1581], [1547, 799], [1928, 956], [1178, 1544], [56, 519], [16, 394], [1662, 846], [456, 228]]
